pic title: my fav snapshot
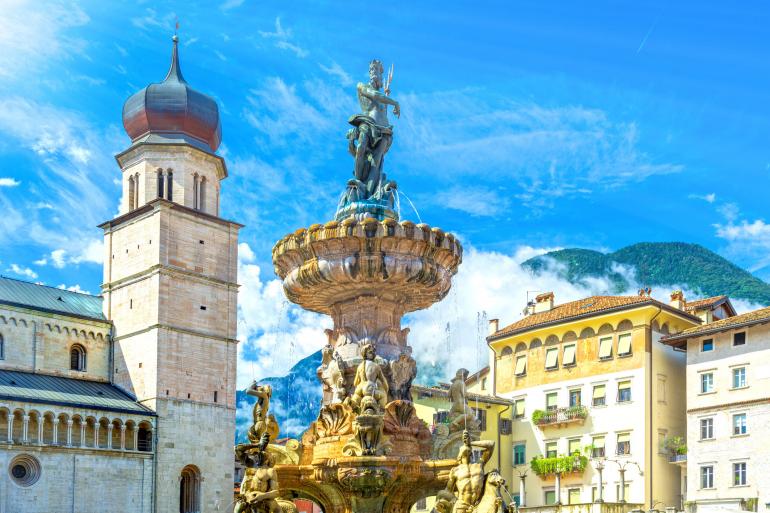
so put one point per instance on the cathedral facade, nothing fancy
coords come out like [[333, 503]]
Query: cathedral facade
[[126, 401]]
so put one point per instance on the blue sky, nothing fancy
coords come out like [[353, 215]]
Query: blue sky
[[524, 124]]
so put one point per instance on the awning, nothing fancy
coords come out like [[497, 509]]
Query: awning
[[551, 358], [623, 385], [605, 347], [574, 446], [521, 365], [599, 392], [598, 442], [569, 355], [550, 400], [519, 406], [624, 344], [624, 437]]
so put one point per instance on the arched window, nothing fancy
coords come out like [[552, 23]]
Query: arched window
[[160, 183], [78, 358], [131, 193], [202, 200], [136, 190], [169, 185], [189, 490], [2, 347], [195, 191], [144, 438]]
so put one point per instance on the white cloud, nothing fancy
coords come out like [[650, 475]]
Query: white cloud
[[708, 198], [35, 35], [58, 258], [73, 288], [9, 182], [547, 152], [231, 4], [282, 39], [477, 201], [75, 161], [151, 20], [274, 334], [747, 241], [23, 271], [337, 71]]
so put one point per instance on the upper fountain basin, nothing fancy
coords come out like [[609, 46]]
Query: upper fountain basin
[[410, 265]]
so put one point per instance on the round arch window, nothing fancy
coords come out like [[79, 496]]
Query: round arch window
[[24, 470]]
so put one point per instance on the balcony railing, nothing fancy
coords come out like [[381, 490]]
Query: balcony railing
[[560, 416], [573, 464], [678, 458]]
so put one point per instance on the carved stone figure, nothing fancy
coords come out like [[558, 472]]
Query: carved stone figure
[[262, 420], [259, 488], [332, 375], [403, 371], [370, 382], [468, 483], [368, 438], [460, 414]]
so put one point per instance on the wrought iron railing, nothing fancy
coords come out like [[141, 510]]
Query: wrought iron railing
[[560, 415]]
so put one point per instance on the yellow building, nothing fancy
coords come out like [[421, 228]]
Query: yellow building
[[494, 414], [595, 397]]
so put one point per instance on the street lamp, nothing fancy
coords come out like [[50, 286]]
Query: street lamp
[[599, 465], [622, 471]]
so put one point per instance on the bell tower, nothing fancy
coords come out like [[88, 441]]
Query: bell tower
[[170, 289]]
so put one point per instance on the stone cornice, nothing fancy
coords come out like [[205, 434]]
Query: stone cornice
[[157, 205], [731, 405], [177, 329], [167, 270]]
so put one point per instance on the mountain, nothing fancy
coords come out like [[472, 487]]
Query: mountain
[[295, 402], [659, 263]]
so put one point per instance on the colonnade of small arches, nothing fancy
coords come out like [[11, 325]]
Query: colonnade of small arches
[[570, 336], [53, 328], [165, 188], [44, 427]]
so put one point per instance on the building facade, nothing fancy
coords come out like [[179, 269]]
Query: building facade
[[728, 412], [595, 397], [133, 391]]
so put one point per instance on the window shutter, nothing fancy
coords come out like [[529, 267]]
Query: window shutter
[[569, 355], [624, 437], [521, 365], [624, 385], [550, 400], [624, 344], [605, 347], [551, 358], [598, 442], [599, 392], [520, 408], [574, 446]]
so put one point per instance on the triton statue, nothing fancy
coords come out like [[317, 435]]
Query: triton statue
[[259, 488], [368, 142]]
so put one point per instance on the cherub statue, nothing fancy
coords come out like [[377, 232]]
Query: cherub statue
[[259, 488], [262, 420], [370, 382]]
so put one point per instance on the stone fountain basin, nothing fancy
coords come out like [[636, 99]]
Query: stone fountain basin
[[406, 264]]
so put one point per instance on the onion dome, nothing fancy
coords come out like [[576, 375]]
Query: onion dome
[[173, 112]]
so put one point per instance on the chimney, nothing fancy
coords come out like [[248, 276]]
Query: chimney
[[544, 302], [494, 326], [678, 300]]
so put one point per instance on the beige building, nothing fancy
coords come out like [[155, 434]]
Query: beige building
[[133, 393], [728, 413], [595, 394]]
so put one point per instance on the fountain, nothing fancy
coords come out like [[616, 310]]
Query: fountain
[[368, 452]]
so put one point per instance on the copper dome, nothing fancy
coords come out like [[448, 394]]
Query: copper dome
[[173, 111]]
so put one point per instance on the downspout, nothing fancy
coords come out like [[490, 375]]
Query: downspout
[[499, 447], [155, 466], [650, 441]]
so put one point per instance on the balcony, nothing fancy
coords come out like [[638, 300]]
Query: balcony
[[547, 467], [678, 459], [560, 416]]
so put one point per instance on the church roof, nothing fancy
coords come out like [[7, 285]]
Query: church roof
[[172, 112], [44, 389], [50, 299]]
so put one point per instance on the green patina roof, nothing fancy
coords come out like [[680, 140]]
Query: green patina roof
[[43, 389], [50, 299]]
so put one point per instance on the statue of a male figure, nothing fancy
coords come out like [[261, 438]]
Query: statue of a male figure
[[466, 479], [373, 135]]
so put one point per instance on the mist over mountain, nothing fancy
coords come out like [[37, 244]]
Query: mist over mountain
[[658, 263]]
